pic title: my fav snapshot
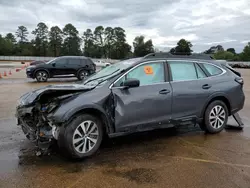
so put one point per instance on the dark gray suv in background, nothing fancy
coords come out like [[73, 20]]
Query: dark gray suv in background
[[64, 66], [159, 90]]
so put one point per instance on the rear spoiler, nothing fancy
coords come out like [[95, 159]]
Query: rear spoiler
[[226, 64], [233, 70]]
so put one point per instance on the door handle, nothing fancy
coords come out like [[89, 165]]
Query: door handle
[[164, 91], [206, 86]]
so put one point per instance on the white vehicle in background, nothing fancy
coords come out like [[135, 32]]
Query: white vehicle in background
[[101, 63]]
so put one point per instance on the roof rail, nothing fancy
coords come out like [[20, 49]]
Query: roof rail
[[169, 55]]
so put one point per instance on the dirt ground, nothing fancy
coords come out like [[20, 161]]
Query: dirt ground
[[180, 158]]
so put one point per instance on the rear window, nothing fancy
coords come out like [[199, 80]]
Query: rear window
[[212, 70]]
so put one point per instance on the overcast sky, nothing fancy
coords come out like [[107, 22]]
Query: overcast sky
[[204, 23]]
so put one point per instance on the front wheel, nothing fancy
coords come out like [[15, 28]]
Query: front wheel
[[216, 116], [42, 76], [82, 137]]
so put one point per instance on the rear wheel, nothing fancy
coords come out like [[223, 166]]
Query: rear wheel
[[82, 74], [82, 137], [42, 76], [216, 116]]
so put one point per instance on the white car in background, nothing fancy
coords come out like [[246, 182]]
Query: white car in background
[[101, 63]]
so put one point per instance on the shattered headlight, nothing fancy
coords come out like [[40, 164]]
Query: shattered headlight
[[49, 107], [53, 104]]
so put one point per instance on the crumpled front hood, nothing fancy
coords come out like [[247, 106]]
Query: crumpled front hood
[[30, 97]]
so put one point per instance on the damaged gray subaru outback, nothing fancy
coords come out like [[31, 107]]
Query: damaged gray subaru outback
[[159, 90]]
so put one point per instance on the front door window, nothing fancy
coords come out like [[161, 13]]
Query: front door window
[[147, 74]]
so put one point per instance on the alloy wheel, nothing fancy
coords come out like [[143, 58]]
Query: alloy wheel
[[217, 116], [85, 137], [42, 76], [83, 74]]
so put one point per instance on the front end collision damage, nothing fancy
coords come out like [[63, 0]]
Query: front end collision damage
[[34, 107], [42, 113]]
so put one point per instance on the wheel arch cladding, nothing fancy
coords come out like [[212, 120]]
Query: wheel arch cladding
[[97, 113], [220, 98], [42, 69]]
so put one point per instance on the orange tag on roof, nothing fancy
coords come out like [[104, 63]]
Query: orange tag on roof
[[148, 70]]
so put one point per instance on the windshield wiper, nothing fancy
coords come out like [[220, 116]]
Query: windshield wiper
[[101, 77]]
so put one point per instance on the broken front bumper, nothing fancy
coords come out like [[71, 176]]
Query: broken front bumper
[[35, 127]]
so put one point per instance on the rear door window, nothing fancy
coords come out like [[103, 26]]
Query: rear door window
[[212, 70], [200, 72], [182, 71], [186, 70]]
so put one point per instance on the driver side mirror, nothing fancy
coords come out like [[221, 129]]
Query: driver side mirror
[[53, 64], [131, 83]]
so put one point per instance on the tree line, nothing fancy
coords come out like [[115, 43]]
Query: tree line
[[97, 43], [100, 43], [229, 54], [184, 48]]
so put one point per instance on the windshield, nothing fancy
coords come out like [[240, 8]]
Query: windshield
[[51, 61], [111, 70]]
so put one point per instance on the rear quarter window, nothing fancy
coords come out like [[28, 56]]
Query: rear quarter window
[[83, 61], [74, 61], [88, 61], [212, 70]]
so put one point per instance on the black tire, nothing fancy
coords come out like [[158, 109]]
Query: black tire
[[202, 126], [65, 139], [42, 76], [211, 126], [82, 74]]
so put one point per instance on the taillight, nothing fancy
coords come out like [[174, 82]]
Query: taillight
[[239, 80]]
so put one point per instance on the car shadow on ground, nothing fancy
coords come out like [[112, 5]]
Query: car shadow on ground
[[110, 146], [113, 151]]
